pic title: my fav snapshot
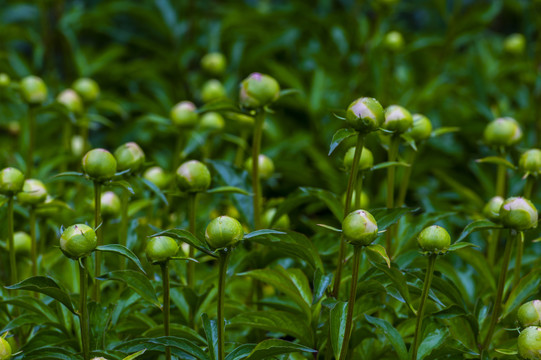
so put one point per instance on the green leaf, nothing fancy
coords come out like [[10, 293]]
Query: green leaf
[[262, 232], [136, 281], [69, 173], [391, 334], [240, 352], [444, 130], [379, 251], [386, 217], [337, 323], [228, 189], [135, 355], [399, 281], [329, 227], [388, 164], [527, 286], [478, 225], [188, 238], [461, 245], [270, 348], [177, 330], [124, 251], [321, 283], [50, 353], [182, 344], [496, 160], [47, 286], [478, 261], [508, 352], [219, 105], [338, 137], [123, 184], [332, 201], [434, 339], [156, 190], [211, 332]]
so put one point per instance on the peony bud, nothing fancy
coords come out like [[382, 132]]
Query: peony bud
[[434, 239], [360, 228], [78, 241], [365, 115], [223, 232]]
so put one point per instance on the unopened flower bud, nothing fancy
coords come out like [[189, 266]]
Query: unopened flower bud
[[160, 249], [193, 176], [212, 90], [87, 88], [434, 239], [33, 90], [110, 204], [518, 213], [529, 314], [492, 208], [71, 100], [281, 223], [4, 80], [397, 119], [129, 156], [11, 181], [78, 241], [34, 192], [360, 228], [99, 164], [265, 164], [258, 90], [514, 44], [214, 63], [5, 349], [366, 161], [212, 121], [394, 41], [421, 129], [184, 115], [365, 115], [530, 162], [529, 343], [502, 132], [223, 232], [157, 176], [22, 243]]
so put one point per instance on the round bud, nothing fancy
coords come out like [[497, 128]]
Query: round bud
[[33, 90], [492, 208], [160, 249], [99, 164], [71, 100], [421, 129], [366, 161], [530, 162], [193, 176], [365, 201], [360, 228], [212, 121], [518, 213], [22, 242], [258, 90], [87, 88], [212, 90], [394, 41], [5, 349], [281, 223], [502, 132], [529, 343], [214, 63], [4, 80], [33, 193], [110, 204], [265, 166], [529, 314], [397, 119], [222, 232], [77, 145], [434, 239], [78, 241], [11, 181], [129, 156], [365, 115], [514, 44], [157, 176], [184, 114]]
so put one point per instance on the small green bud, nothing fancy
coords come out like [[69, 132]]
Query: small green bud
[[129, 156], [492, 208], [212, 90], [4, 80], [214, 63], [87, 88], [71, 100], [22, 243], [529, 343], [157, 176], [77, 145], [34, 192], [365, 115], [258, 90], [160, 249], [265, 165], [11, 181], [99, 164], [529, 314], [33, 90], [184, 115], [397, 119], [110, 204], [223, 232], [360, 228], [281, 223], [394, 41], [518, 213], [366, 160], [365, 201], [78, 241], [502, 132], [193, 176], [434, 239], [530, 162], [514, 44], [212, 121], [421, 129], [5, 349]]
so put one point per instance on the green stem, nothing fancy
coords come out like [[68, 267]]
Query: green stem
[[66, 136], [349, 193], [123, 229], [420, 312], [31, 140], [359, 190], [500, 181], [392, 154], [12, 260], [351, 302], [493, 240], [190, 266], [518, 259], [99, 234], [239, 155], [222, 272], [179, 141], [528, 187], [83, 310], [33, 244], [166, 304], [256, 150], [404, 184]]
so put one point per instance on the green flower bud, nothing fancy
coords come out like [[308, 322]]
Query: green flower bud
[[529, 343], [77, 145], [421, 129], [518, 213], [160, 249], [4, 80], [22, 243], [5, 349], [223, 232], [157, 176], [366, 160], [212, 121], [78, 241], [214, 63], [530, 162], [529, 314], [193, 176], [110, 204], [33, 193], [212, 90], [129, 156], [258, 90], [514, 44], [397, 119], [502, 132], [184, 115], [434, 239], [265, 164], [492, 208], [365, 115], [394, 41], [99, 164], [360, 228], [365, 201], [33, 90], [281, 223], [71, 100], [87, 88], [11, 181]]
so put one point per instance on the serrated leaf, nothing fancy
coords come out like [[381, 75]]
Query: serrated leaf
[[496, 160], [477, 225], [228, 189], [380, 252], [188, 238], [136, 281], [270, 348], [391, 334], [124, 251], [338, 137]]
